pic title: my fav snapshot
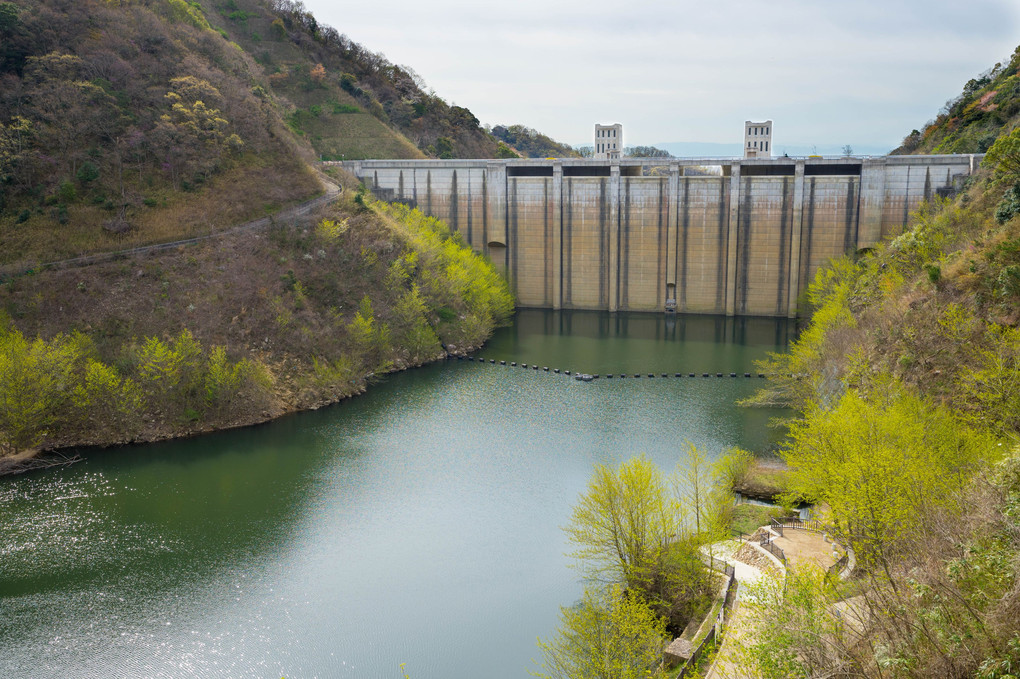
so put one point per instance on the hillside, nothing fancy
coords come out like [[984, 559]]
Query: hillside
[[906, 385], [237, 329], [345, 100], [133, 122], [532, 144], [130, 123], [141, 121], [970, 122]]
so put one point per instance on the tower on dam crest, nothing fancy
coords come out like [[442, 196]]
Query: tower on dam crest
[[757, 139], [608, 141]]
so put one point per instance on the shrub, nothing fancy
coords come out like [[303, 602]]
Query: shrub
[[350, 84], [88, 172], [1009, 206], [66, 193]]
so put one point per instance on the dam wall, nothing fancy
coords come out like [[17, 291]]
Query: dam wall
[[715, 236]]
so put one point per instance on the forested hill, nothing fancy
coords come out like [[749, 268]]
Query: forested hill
[[327, 78], [132, 122], [125, 122], [531, 143], [970, 122]]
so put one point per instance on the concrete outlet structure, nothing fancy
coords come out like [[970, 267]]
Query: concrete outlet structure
[[608, 141], [757, 139], [653, 235]]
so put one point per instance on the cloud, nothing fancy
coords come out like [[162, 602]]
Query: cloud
[[692, 70]]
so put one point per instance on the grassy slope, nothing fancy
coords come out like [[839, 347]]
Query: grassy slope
[[334, 136], [260, 186], [404, 121]]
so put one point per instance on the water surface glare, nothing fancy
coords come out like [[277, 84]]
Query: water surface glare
[[419, 523]]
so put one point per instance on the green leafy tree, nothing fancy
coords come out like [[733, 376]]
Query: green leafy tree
[[28, 392], [624, 522], [187, 12], [415, 335], [168, 372], [609, 634], [797, 633], [106, 403], [808, 372], [992, 385], [1004, 158], [36, 378], [9, 20], [630, 528], [225, 381], [371, 337], [880, 461], [504, 151], [695, 485]]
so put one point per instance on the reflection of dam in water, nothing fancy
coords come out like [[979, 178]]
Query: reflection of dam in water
[[648, 234], [714, 330]]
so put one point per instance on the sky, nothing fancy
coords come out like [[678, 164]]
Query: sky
[[860, 72]]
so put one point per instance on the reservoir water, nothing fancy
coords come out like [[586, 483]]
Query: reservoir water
[[418, 523]]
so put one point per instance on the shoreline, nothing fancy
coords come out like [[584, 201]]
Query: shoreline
[[40, 458]]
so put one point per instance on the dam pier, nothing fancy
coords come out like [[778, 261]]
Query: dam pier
[[740, 237]]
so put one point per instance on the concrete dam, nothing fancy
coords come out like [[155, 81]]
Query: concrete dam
[[740, 237]]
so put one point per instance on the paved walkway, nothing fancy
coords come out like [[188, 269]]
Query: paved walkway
[[727, 662], [800, 547], [805, 547]]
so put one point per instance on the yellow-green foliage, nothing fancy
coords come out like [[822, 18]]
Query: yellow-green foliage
[[1004, 157], [800, 376], [58, 390], [622, 524], [797, 634], [371, 338], [225, 381], [947, 610], [609, 634], [331, 229], [451, 274], [188, 12], [992, 384], [333, 378], [631, 528], [908, 383], [164, 366], [881, 461], [36, 379], [418, 338]]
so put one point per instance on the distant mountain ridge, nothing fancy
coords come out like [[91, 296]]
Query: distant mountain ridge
[[695, 149]]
